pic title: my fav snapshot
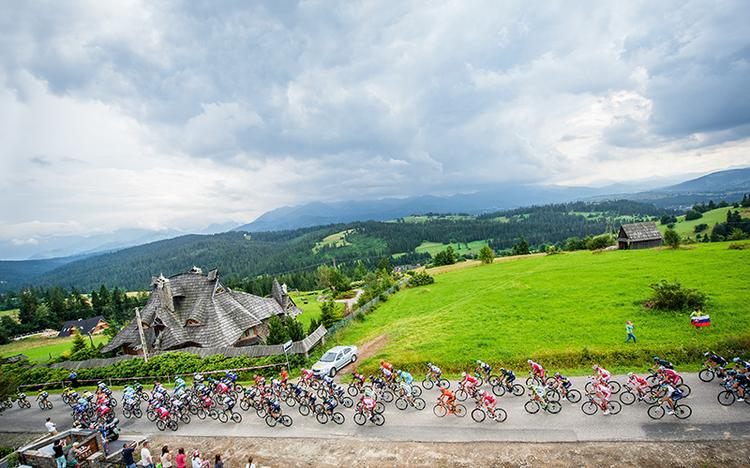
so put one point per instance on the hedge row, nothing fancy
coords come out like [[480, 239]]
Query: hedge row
[[165, 366]]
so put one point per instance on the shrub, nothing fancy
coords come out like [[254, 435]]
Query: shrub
[[737, 246], [445, 257], [329, 314], [600, 242], [671, 238], [700, 227], [692, 214], [420, 279], [486, 255], [552, 250], [672, 296]]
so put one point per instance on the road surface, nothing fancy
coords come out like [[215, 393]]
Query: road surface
[[709, 421]]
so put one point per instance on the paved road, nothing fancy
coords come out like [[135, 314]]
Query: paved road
[[710, 421]]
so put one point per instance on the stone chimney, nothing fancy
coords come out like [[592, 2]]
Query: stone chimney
[[164, 289]]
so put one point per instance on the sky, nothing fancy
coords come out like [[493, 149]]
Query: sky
[[177, 115]]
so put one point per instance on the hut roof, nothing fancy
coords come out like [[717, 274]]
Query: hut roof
[[640, 231], [85, 326]]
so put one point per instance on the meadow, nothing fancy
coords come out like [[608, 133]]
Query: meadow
[[461, 248], [12, 313], [40, 349], [311, 310], [566, 310]]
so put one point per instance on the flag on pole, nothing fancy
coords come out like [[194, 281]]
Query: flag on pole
[[700, 321]]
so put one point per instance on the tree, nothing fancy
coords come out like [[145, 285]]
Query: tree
[[445, 257], [692, 214], [486, 255], [668, 219], [277, 332], [521, 247], [329, 314], [333, 279], [27, 311], [600, 242], [295, 330], [671, 238], [79, 343], [314, 324]]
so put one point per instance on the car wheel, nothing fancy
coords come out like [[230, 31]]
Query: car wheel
[[354, 358], [333, 372]]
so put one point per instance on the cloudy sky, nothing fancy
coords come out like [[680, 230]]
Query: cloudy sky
[[178, 115]]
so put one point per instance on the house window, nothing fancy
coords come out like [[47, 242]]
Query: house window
[[192, 323], [219, 290]]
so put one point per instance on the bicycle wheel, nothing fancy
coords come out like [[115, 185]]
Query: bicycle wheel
[[201, 413], [684, 389], [439, 410], [656, 411], [649, 398], [416, 391], [706, 375], [379, 407], [347, 402], [126, 413], [161, 425], [493, 380], [461, 394], [614, 407], [360, 419], [401, 403], [553, 395], [223, 417], [172, 425], [387, 396], [478, 415], [574, 396], [304, 410], [615, 386], [517, 390], [213, 414], [589, 387], [460, 410], [137, 413], [726, 398], [531, 407], [627, 398], [554, 407], [498, 390], [378, 419], [419, 404], [444, 383], [480, 380], [500, 415], [352, 390], [286, 420], [244, 404], [322, 418], [270, 421], [589, 408], [150, 415], [338, 418], [41, 404], [185, 418], [427, 384], [682, 411], [237, 418]]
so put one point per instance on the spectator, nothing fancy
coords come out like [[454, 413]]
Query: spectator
[[197, 462], [629, 328], [180, 458], [250, 463], [166, 457], [146, 459], [72, 458], [204, 461], [59, 449], [217, 461], [51, 427], [127, 455]]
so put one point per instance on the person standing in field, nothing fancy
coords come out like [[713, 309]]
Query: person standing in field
[[629, 329]]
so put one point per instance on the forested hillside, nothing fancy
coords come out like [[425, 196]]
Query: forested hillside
[[243, 255]]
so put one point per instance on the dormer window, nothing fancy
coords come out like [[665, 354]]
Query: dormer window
[[192, 323], [220, 290]]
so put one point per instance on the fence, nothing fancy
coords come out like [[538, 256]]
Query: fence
[[256, 351], [366, 307]]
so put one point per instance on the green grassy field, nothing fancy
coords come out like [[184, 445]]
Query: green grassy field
[[311, 310], [687, 228], [40, 349], [558, 309], [434, 247], [335, 240], [12, 313], [425, 218]]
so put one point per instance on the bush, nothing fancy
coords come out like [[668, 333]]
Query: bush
[[329, 314], [600, 242], [692, 214], [700, 227], [672, 296], [552, 250], [671, 238], [420, 279], [445, 257], [486, 255]]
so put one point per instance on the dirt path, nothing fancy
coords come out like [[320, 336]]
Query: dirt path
[[364, 453], [365, 351]]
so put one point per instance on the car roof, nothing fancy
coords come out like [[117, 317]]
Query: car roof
[[336, 349]]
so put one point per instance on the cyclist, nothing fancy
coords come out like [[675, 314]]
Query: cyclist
[[284, 376], [601, 374], [405, 386], [639, 384], [538, 394], [562, 384], [671, 395], [507, 377], [386, 365], [740, 364], [483, 368], [179, 384], [435, 372], [741, 384], [488, 401], [73, 377], [357, 378], [469, 383], [659, 362], [603, 392], [329, 404], [714, 360], [536, 369], [306, 375], [405, 376], [448, 399], [387, 374]]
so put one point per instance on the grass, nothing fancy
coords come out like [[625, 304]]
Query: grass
[[39, 349], [461, 248], [12, 313], [425, 218], [551, 307], [719, 215], [311, 310], [335, 240]]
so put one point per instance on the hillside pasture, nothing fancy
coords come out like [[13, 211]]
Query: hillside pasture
[[565, 309], [40, 349], [719, 215], [461, 248]]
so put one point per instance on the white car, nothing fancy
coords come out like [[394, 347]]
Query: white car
[[334, 359]]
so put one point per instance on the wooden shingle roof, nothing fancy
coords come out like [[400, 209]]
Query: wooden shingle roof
[[640, 232], [204, 313], [84, 326]]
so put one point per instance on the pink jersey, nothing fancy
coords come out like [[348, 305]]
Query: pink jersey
[[489, 399], [604, 391], [603, 373], [638, 380], [537, 368], [470, 379]]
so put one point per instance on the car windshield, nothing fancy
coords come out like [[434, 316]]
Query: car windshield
[[328, 357]]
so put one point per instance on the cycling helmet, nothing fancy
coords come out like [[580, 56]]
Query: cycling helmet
[[735, 359], [706, 353], [662, 368], [529, 361], [557, 374], [429, 364], [630, 374], [480, 393], [502, 369], [656, 358], [595, 366], [463, 374], [479, 361]]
